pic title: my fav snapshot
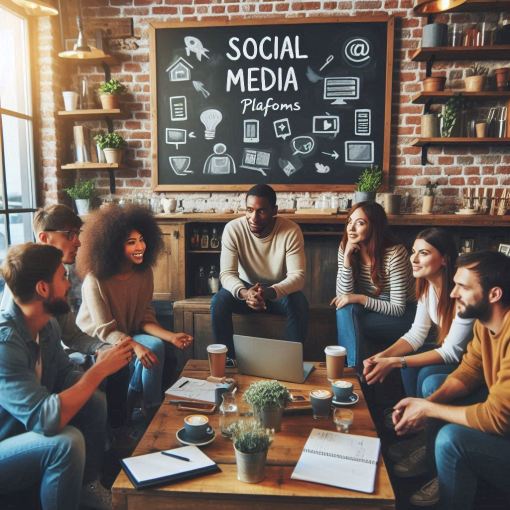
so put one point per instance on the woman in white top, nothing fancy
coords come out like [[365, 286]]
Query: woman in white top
[[433, 261]]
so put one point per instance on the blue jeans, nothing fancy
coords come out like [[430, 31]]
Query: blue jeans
[[60, 463], [148, 380], [359, 330], [224, 304]]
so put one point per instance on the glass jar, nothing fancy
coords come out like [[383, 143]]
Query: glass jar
[[195, 239], [213, 281], [204, 239], [214, 242], [228, 412]]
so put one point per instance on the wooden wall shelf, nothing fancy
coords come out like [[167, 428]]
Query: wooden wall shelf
[[422, 142], [499, 52], [92, 166], [444, 95], [93, 114]]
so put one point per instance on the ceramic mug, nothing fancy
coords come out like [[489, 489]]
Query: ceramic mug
[[197, 426]]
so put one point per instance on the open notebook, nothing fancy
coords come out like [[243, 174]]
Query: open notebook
[[158, 469], [340, 460]]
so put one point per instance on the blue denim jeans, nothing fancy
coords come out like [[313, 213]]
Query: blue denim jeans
[[359, 330], [224, 304], [148, 380]]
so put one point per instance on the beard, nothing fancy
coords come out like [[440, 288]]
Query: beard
[[56, 306], [481, 310]]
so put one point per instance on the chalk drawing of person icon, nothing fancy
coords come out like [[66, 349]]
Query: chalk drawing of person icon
[[219, 163]]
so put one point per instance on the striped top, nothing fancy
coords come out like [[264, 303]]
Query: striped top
[[397, 282]]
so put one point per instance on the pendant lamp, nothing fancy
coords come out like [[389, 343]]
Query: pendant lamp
[[436, 6], [81, 49]]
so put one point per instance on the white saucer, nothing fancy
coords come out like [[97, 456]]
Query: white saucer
[[183, 439], [353, 399]]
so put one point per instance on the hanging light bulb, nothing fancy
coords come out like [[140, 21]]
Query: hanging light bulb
[[37, 7], [210, 119], [81, 50]]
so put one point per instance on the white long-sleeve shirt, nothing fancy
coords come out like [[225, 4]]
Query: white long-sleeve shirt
[[277, 260], [396, 279], [455, 342]]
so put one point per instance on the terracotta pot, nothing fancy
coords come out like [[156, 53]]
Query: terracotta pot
[[109, 101], [434, 83], [502, 75], [113, 155], [474, 83]]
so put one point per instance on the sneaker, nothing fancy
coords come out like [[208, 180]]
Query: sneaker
[[402, 449], [413, 465], [94, 495], [428, 495]]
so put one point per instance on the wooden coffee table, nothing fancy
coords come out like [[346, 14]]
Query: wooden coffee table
[[223, 490]]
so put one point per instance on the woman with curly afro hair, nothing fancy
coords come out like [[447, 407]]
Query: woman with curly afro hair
[[119, 247]]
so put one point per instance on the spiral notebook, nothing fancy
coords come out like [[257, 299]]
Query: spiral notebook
[[341, 460]]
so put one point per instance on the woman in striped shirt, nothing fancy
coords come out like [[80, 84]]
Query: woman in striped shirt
[[375, 298]]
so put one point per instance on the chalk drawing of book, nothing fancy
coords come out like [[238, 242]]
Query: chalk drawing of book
[[256, 159]]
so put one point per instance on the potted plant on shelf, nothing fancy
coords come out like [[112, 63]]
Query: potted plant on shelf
[[251, 442], [450, 116], [82, 193], [475, 82], [434, 83], [428, 198], [368, 183], [112, 145], [268, 399], [109, 92]]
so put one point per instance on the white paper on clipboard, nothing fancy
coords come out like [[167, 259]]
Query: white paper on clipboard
[[187, 388]]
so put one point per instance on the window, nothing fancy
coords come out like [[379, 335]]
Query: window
[[17, 182]]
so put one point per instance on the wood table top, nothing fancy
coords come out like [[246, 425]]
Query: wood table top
[[222, 489]]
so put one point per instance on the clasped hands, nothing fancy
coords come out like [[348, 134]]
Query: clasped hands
[[256, 296]]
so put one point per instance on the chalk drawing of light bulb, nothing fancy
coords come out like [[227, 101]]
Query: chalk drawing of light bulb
[[210, 119]]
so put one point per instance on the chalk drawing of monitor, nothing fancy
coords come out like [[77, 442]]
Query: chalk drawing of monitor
[[359, 152], [256, 159], [339, 89], [175, 136]]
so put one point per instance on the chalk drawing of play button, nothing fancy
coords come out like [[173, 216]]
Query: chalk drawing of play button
[[326, 124]]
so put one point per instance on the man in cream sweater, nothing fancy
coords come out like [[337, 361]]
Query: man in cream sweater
[[468, 415], [262, 269]]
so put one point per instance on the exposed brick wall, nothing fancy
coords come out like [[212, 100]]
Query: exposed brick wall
[[453, 168]]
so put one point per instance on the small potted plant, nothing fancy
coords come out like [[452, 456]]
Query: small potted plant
[[434, 83], [251, 442], [268, 399], [428, 198], [450, 116], [82, 193], [475, 82], [368, 183], [112, 145], [109, 92]]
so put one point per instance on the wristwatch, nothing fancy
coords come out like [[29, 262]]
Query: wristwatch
[[403, 362]]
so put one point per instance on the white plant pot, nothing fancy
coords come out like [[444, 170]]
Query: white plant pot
[[82, 206], [251, 467], [113, 155]]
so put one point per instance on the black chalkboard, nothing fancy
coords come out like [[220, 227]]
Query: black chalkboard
[[298, 104]]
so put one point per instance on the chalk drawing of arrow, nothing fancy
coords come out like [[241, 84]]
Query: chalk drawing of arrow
[[199, 87], [333, 154]]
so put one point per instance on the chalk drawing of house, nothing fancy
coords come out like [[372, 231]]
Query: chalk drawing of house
[[180, 70]]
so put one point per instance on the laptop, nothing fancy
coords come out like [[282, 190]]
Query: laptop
[[272, 359]]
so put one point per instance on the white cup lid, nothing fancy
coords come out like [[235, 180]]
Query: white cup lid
[[335, 350], [217, 348]]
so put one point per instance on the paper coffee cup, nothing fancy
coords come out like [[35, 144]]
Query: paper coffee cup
[[70, 100], [217, 354], [335, 361]]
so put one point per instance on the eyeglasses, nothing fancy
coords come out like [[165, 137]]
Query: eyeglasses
[[71, 235]]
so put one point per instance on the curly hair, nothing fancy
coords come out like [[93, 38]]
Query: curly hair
[[104, 234]]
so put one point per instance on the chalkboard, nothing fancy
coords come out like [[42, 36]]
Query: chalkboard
[[301, 104]]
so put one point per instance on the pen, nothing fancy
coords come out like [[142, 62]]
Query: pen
[[167, 454], [185, 382]]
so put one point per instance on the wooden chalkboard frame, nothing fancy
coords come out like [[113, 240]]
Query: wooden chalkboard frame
[[154, 27]]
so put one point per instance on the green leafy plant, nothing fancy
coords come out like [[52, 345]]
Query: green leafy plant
[[478, 70], [263, 394], [370, 179], [84, 190], [430, 189], [249, 436], [449, 115], [112, 86], [109, 140]]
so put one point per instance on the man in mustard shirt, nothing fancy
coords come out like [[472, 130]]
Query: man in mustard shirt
[[470, 410]]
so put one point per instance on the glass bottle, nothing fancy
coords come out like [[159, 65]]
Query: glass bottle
[[195, 239], [214, 242], [213, 281], [228, 412], [204, 239], [201, 282]]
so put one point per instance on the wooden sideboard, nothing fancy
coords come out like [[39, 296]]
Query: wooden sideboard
[[175, 272]]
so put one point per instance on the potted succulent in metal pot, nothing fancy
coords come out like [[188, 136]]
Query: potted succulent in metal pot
[[428, 197], [450, 116], [251, 443], [109, 93], [82, 193], [112, 144], [368, 183], [268, 399], [475, 82]]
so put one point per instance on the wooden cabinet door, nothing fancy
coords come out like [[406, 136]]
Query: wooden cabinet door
[[169, 271]]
